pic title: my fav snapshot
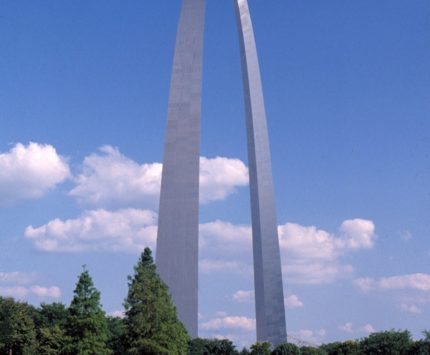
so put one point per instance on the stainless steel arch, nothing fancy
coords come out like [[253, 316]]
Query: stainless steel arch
[[177, 243]]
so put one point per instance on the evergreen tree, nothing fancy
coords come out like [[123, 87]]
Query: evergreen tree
[[117, 332], [86, 323], [262, 348], [52, 341], [388, 343], [52, 314], [286, 349], [17, 330], [199, 346], [151, 320]]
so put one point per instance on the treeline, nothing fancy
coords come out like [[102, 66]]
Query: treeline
[[150, 326]]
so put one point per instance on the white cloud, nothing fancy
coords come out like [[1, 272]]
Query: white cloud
[[410, 308], [419, 282], [225, 236], [30, 171], [315, 273], [21, 292], [244, 296], [219, 178], [229, 322], [109, 177], [310, 255], [293, 301], [350, 328], [290, 301], [127, 230], [357, 234], [307, 337], [317, 244], [20, 278], [313, 256], [365, 284]]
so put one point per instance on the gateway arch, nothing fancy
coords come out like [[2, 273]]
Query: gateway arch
[[177, 240]]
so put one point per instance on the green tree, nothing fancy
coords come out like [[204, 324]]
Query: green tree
[[261, 348], [52, 314], [422, 346], [201, 346], [117, 331], [17, 330], [86, 323], [348, 347], [51, 320], [286, 349], [388, 343], [310, 350], [151, 320], [52, 341]]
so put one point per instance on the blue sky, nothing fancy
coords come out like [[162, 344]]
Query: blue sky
[[83, 101]]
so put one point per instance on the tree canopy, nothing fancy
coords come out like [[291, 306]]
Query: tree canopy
[[86, 323], [152, 324]]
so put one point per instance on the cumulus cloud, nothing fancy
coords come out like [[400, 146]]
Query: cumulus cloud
[[410, 308], [314, 256], [16, 277], [30, 171], [229, 322], [293, 301], [419, 282], [307, 337], [290, 301], [317, 244], [109, 177], [126, 230], [22, 292], [219, 177], [225, 236], [242, 296], [20, 285], [310, 255], [350, 328]]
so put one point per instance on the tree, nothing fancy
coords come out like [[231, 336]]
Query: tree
[[51, 315], [152, 324], [388, 343], [261, 348], [422, 346], [201, 346], [52, 341], [17, 330], [286, 349], [86, 323], [310, 350], [348, 347], [117, 332]]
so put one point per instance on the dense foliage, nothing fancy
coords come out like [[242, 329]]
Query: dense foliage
[[150, 326], [151, 320]]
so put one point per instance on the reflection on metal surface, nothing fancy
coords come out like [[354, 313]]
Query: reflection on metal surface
[[177, 243], [269, 295]]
